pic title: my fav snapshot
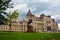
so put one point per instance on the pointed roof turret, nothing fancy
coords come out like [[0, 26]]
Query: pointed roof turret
[[29, 10], [42, 16], [29, 13]]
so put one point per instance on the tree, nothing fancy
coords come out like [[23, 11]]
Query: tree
[[10, 17], [4, 4]]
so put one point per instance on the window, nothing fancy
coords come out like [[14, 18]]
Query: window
[[21, 25], [35, 22], [1, 28], [48, 21], [14, 21], [6, 28], [39, 23]]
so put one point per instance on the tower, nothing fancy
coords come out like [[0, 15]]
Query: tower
[[28, 15]]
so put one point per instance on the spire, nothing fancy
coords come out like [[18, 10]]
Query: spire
[[29, 10], [29, 13]]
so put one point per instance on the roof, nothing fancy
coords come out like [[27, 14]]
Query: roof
[[29, 13]]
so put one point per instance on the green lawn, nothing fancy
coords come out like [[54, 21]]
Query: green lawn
[[29, 36]]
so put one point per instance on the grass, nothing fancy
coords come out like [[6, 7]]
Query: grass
[[29, 36]]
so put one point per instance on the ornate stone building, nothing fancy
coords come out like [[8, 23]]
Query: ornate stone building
[[31, 23]]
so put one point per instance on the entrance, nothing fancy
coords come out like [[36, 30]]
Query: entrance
[[29, 29], [48, 28]]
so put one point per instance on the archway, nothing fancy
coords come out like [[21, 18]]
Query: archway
[[29, 29]]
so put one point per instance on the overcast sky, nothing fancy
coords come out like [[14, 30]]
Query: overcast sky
[[37, 7]]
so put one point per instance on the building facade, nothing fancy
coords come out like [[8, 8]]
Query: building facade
[[31, 23]]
